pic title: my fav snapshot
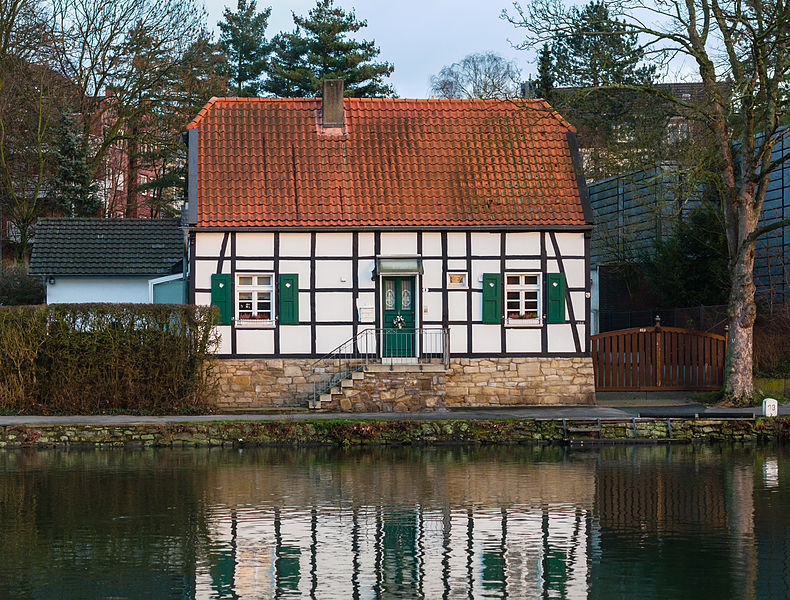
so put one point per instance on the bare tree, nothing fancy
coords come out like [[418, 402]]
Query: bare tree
[[484, 76], [121, 56], [746, 45], [28, 93]]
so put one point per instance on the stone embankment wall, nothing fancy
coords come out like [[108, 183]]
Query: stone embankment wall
[[347, 432], [273, 383]]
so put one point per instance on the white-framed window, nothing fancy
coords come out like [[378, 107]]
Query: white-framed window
[[457, 280], [523, 298], [255, 299]]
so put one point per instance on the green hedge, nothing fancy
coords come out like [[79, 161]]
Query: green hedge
[[98, 358]]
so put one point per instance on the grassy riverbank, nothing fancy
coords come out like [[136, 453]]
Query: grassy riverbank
[[359, 432]]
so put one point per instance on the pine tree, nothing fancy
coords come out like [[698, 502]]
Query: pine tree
[[599, 53], [242, 38], [75, 190], [545, 82], [320, 48], [288, 69]]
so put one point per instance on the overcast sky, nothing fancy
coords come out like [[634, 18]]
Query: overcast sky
[[419, 37]]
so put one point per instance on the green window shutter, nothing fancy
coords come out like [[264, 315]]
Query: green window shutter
[[492, 298], [288, 299], [555, 298], [220, 296]]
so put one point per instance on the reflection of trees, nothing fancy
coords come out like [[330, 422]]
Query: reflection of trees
[[106, 513]]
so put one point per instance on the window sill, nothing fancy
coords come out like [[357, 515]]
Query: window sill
[[253, 324], [523, 323]]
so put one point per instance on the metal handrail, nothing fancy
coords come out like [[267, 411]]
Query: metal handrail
[[418, 346]]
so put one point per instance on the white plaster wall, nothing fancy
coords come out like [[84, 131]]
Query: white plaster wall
[[522, 265], [223, 334], [523, 339], [295, 339], [486, 244], [570, 244], [333, 306], [458, 341], [393, 244], [433, 302], [456, 302], [333, 274], [431, 244], [254, 244], [333, 244], [366, 267], [574, 271], [295, 244], [486, 338], [98, 289], [299, 267], [432, 273], [456, 264], [210, 244], [202, 298], [367, 244], [579, 304], [479, 267], [254, 341], [258, 266], [561, 337], [305, 316], [456, 244], [522, 243], [329, 337], [204, 269]]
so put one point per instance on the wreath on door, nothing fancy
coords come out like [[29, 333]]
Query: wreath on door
[[398, 322]]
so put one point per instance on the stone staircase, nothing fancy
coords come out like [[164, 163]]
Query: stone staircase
[[386, 388]]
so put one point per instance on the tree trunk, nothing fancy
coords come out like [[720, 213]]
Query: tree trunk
[[741, 312]]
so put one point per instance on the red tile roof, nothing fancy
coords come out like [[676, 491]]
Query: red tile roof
[[268, 162]]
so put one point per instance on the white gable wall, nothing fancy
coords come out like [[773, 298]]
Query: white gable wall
[[336, 286], [98, 289]]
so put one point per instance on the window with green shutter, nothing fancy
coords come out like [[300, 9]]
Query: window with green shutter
[[288, 299], [220, 296], [555, 298], [492, 298]]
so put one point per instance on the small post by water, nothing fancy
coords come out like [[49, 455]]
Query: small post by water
[[659, 364]]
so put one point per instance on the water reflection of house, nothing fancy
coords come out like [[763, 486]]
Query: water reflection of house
[[442, 529]]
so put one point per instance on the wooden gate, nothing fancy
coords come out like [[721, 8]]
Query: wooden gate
[[658, 358]]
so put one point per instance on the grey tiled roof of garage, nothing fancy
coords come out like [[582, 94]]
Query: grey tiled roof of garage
[[86, 246]]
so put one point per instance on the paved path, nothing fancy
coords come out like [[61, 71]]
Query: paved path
[[533, 412]]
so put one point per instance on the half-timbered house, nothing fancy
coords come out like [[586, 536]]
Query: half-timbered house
[[389, 253]]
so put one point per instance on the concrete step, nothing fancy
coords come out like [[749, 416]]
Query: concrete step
[[403, 368], [334, 390], [346, 383], [357, 375], [325, 398]]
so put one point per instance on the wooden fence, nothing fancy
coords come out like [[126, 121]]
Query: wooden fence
[[658, 358]]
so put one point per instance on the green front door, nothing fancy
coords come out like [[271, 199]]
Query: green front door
[[397, 298]]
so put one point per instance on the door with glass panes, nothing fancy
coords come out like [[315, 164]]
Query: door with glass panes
[[399, 313]]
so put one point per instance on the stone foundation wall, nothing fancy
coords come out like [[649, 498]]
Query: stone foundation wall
[[256, 383], [514, 381], [391, 392], [250, 383]]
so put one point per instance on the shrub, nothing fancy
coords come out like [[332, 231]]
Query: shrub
[[772, 342], [97, 358], [17, 287]]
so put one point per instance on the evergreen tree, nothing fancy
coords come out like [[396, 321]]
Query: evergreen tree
[[242, 38], [288, 69], [545, 83], [320, 48], [75, 190], [599, 53]]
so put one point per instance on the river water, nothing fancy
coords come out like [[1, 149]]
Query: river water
[[451, 522]]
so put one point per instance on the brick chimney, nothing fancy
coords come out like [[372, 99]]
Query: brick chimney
[[332, 103]]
